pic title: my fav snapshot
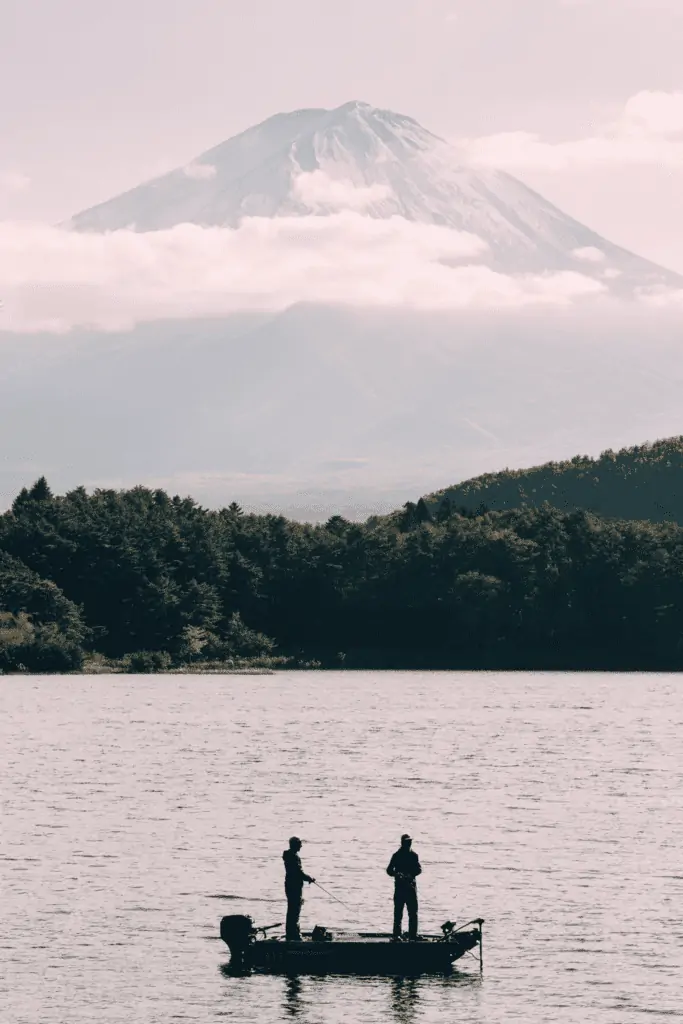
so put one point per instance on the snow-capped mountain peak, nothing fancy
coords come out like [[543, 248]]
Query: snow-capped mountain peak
[[380, 163]]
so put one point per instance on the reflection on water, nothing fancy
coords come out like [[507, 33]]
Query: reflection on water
[[292, 1001], [398, 998], [550, 805], [405, 996], [400, 995]]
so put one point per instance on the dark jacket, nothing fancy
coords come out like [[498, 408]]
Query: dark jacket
[[404, 867], [294, 873]]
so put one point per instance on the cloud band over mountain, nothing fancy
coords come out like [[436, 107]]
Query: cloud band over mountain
[[52, 279]]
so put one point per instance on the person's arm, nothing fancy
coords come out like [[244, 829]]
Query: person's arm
[[391, 870], [418, 867], [302, 874]]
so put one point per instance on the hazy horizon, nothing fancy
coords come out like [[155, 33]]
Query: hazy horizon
[[324, 409]]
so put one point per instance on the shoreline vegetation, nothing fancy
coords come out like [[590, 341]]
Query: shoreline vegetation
[[137, 581], [98, 666], [141, 663]]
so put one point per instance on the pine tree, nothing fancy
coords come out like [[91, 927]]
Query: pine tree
[[422, 513], [40, 490]]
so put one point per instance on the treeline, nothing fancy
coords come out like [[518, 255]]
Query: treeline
[[643, 482], [148, 582]]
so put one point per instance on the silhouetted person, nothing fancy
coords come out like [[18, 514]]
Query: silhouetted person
[[294, 886], [404, 867]]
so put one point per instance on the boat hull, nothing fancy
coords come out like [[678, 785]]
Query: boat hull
[[428, 956]]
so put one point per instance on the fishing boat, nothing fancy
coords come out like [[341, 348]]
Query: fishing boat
[[321, 952]]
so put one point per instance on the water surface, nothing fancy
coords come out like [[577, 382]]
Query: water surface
[[550, 805]]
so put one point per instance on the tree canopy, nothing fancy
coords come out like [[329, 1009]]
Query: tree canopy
[[141, 575], [642, 482]]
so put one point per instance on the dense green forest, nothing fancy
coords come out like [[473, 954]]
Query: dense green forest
[[141, 581], [644, 482]]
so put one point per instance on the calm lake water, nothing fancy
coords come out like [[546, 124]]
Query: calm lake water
[[550, 805]]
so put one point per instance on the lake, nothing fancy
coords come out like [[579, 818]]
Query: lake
[[549, 804]]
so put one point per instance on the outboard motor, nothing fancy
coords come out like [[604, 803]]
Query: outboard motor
[[237, 932]]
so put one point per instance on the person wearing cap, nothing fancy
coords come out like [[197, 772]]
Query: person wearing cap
[[294, 887], [404, 867]]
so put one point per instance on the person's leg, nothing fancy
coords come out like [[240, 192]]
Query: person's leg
[[399, 902], [290, 923], [299, 905], [294, 901], [411, 903]]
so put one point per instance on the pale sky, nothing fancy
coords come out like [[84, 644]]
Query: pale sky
[[98, 96]]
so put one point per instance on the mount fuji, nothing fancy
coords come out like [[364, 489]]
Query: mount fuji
[[383, 164], [320, 408]]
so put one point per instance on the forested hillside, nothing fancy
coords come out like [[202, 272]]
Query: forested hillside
[[645, 482], [150, 581]]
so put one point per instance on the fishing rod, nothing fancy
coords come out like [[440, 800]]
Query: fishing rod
[[346, 907], [261, 899]]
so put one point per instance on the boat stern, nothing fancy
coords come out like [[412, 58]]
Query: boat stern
[[237, 932]]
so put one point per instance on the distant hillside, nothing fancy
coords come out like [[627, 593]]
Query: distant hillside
[[644, 482]]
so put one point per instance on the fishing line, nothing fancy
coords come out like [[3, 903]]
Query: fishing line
[[341, 902]]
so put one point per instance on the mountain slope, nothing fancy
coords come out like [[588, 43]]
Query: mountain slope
[[643, 482], [383, 164]]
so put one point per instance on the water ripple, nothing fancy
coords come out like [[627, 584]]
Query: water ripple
[[136, 811]]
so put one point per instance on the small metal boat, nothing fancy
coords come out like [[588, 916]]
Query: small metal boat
[[320, 952]]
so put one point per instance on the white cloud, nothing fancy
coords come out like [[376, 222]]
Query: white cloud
[[662, 298], [589, 254], [648, 131], [658, 114], [200, 172], [52, 279], [647, 5], [12, 182], [318, 191]]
